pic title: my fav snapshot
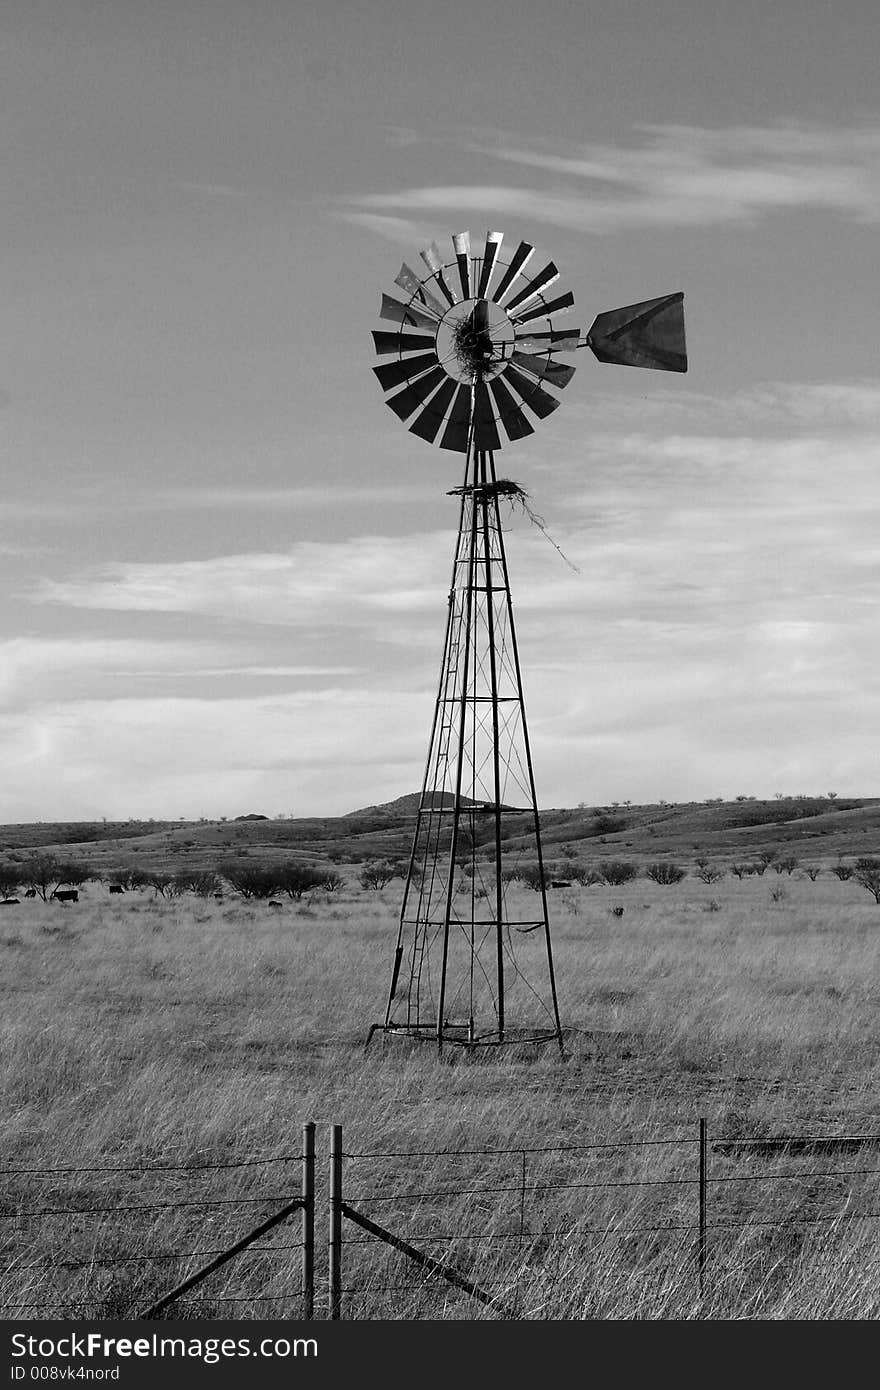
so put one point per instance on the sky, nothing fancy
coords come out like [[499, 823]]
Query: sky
[[224, 563]]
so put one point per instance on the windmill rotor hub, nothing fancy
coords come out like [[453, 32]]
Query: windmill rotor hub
[[474, 340]]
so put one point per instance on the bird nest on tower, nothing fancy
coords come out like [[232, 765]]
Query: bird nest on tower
[[519, 499]]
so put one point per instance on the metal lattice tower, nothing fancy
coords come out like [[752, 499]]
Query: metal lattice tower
[[473, 962]]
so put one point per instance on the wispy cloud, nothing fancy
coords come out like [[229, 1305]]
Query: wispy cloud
[[403, 231], [673, 175], [358, 583]]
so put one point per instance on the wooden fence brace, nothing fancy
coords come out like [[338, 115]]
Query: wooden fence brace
[[435, 1266], [701, 1249], [308, 1221], [335, 1251]]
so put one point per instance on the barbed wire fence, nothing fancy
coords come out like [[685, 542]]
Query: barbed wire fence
[[424, 1230], [153, 1231]]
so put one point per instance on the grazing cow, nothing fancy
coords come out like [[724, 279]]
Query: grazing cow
[[116, 888], [560, 883], [66, 895], [31, 893], [8, 902], [273, 902]]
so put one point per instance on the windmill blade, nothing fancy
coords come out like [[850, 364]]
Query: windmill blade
[[462, 243], [510, 412], [493, 246], [401, 342], [416, 394], [554, 306], [548, 276], [485, 430], [557, 340], [458, 427], [521, 257], [406, 313], [650, 334], [555, 373], [534, 395], [431, 257], [396, 373], [409, 281], [427, 425]]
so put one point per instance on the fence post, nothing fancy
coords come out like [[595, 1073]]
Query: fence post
[[335, 1221], [701, 1250], [308, 1221]]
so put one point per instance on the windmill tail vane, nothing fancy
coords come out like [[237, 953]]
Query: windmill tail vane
[[474, 359]]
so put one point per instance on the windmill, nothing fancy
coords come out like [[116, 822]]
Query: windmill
[[475, 348]]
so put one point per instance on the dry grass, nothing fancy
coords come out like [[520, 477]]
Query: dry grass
[[141, 1033]]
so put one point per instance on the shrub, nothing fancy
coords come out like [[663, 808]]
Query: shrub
[[617, 871], [709, 873], [200, 881], [74, 874], [740, 870], [604, 825], [376, 875], [253, 880], [295, 879], [786, 865], [665, 873], [10, 880], [843, 871], [161, 883], [45, 873], [332, 882], [812, 872], [579, 873], [531, 876]]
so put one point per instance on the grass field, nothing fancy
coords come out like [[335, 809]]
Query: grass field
[[139, 1034]]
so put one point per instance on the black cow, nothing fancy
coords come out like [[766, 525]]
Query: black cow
[[273, 902], [31, 893], [560, 883], [66, 895], [116, 888], [8, 902]]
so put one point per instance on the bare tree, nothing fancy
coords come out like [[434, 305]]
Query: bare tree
[[376, 875], [869, 879], [42, 873], [617, 871], [296, 879], [868, 875], [665, 873]]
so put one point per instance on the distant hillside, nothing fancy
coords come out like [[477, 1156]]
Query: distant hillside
[[816, 830]]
